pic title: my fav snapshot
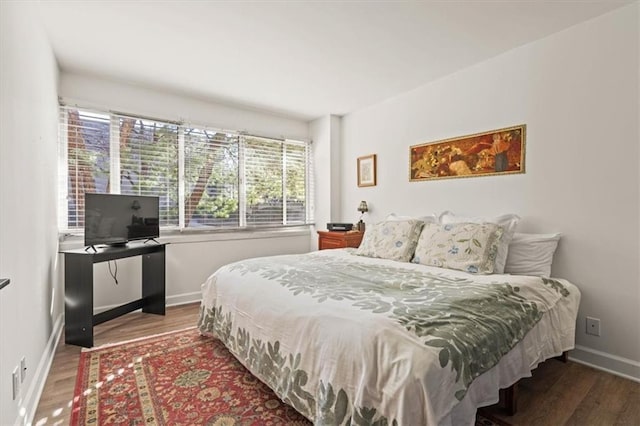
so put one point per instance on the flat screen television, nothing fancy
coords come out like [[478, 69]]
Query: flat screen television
[[111, 219]]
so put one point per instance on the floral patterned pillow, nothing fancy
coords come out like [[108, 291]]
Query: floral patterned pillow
[[469, 247], [394, 239], [508, 222]]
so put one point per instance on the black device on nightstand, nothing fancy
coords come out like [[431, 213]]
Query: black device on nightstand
[[339, 226]]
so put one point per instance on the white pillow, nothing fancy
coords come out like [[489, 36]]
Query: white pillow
[[469, 247], [508, 223], [391, 239], [531, 254], [432, 218]]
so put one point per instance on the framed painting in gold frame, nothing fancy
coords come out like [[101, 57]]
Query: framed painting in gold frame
[[367, 170], [496, 152]]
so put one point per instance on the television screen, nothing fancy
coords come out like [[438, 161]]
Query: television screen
[[115, 219]]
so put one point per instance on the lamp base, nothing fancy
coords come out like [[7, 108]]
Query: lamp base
[[360, 226]]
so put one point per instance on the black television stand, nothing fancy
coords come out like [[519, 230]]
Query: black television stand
[[78, 286], [150, 239]]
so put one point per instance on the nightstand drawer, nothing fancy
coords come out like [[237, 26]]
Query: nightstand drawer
[[333, 240]]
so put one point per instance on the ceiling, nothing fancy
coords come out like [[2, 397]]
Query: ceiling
[[303, 59]]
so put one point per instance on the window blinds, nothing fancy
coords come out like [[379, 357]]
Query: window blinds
[[204, 177], [87, 163], [113, 154], [263, 161], [211, 178], [148, 162], [296, 183]]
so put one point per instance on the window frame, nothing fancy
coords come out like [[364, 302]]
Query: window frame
[[181, 228]]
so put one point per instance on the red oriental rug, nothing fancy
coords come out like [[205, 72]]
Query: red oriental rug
[[176, 378]]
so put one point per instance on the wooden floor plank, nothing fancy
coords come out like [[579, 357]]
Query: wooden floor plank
[[557, 394], [630, 413], [533, 389], [571, 389], [604, 402]]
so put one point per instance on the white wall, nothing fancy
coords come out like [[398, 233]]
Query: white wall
[[31, 306], [335, 123], [577, 92], [325, 133], [104, 94]]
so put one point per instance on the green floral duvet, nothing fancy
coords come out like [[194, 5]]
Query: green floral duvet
[[347, 339]]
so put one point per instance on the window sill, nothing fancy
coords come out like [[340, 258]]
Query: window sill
[[72, 241]]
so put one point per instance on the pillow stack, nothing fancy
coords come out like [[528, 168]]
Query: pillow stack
[[478, 245]]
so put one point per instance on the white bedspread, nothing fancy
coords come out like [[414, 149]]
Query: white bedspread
[[347, 339]]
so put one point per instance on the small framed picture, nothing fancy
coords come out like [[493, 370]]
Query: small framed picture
[[367, 170]]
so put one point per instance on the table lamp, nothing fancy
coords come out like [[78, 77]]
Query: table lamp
[[362, 208]]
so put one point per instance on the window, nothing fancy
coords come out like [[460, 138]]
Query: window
[[147, 163], [205, 178], [211, 178]]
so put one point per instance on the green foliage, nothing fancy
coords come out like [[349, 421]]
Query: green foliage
[[149, 166], [556, 285], [214, 157]]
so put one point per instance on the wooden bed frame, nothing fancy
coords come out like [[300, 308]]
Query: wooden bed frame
[[509, 396]]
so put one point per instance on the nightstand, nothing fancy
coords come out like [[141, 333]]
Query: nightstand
[[333, 239]]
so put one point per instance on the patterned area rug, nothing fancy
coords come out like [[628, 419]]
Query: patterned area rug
[[177, 378]]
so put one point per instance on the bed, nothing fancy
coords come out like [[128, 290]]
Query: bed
[[353, 339]]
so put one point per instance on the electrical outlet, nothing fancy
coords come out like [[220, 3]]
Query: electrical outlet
[[15, 380], [23, 369], [593, 326]]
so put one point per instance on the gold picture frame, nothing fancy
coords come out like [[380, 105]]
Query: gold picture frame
[[367, 170], [496, 152]]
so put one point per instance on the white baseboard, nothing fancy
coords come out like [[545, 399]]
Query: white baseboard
[[30, 403], [623, 367], [179, 299], [183, 299]]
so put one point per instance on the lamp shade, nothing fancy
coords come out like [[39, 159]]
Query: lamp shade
[[363, 207]]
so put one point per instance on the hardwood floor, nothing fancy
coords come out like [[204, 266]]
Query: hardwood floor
[[557, 394], [574, 394]]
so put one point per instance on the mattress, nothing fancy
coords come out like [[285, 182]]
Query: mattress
[[348, 339]]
